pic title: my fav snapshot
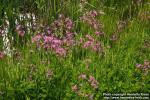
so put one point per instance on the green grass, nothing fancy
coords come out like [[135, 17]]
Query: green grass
[[23, 77]]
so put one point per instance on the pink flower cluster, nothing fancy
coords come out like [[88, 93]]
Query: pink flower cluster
[[144, 67], [83, 76], [121, 25], [2, 55], [49, 74], [74, 88], [114, 37], [37, 38], [90, 19], [62, 23], [20, 30], [91, 43], [90, 80], [49, 42], [93, 82], [57, 36]]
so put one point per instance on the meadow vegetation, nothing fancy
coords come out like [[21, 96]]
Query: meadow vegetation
[[73, 49]]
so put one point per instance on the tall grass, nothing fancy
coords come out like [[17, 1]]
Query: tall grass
[[35, 73]]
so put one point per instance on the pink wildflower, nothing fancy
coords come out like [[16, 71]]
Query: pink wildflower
[[69, 23], [99, 33], [48, 39], [93, 82], [82, 76], [61, 51], [91, 78], [74, 88], [57, 42], [90, 38], [87, 44], [139, 65], [36, 38], [20, 31], [2, 55], [49, 73], [93, 13], [146, 63], [114, 37], [81, 40], [49, 31]]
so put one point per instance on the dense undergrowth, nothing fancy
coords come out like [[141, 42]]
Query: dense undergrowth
[[73, 49]]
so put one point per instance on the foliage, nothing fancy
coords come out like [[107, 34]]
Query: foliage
[[74, 49]]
